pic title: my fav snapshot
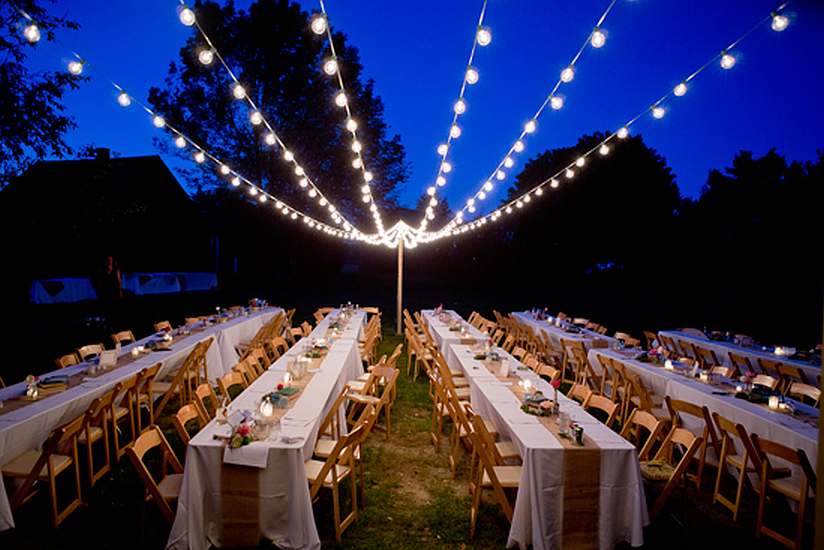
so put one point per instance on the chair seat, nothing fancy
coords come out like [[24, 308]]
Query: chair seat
[[170, 486], [790, 486], [462, 393], [657, 470], [314, 467], [363, 399], [460, 382], [356, 385], [120, 412], [323, 447], [161, 387], [95, 433], [509, 476], [23, 465], [507, 449]]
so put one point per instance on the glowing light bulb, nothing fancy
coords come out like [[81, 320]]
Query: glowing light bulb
[[569, 174], [580, 162], [471, 209], [529, 127], [727, 60], [224, 170], [623, 132], [351, 125], [366, 198], [472, 75], [779, 22], [124, 99], [340, 99], [681, 89], [527, 198], [604, 150], [431, 191], [263, 198], [322, 201], [236, 181], [32, 33], [356, 146], [357, 164], [294, 215], [554, 184], [158, 121], [488, 186], [470, 202], [256, 118], [658, 112], [304, 183], [187, 17], [206, 57], [455, 131], [481, 195], [270, 139], [459, 107], [484, 36], [598, 38], [238, 91], [519, 204], [200, 157], [288, 156], [433, 202], [556, 102], [508, 162], [367, 176], [568, 74], [180, 141], [298, 170], [75, 67], [441, 181], [330, 67], [500, 174], [319, 24], [519, 146], [539, 191], [365, 189], [313, 193]]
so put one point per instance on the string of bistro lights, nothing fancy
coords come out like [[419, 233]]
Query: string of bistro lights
[[410, 237], [200, 154], [206, 56], [596, 38], [320, 26], [727, 60], [483, 37]]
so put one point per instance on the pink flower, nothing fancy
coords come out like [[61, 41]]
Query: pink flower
[[556, 383], [243, 430], [751, 374]]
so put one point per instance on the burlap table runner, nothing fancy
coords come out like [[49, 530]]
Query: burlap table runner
[[582, 478]]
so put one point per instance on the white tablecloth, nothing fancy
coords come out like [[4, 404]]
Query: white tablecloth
[[722, 352], [555, 333], [28, 427], [446, 338], [776, 426], [538, 509], [54, 291], [285, 514]]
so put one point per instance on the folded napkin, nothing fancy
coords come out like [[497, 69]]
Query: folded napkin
[[254, 455]]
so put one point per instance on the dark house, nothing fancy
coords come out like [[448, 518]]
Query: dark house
[[62, 218]]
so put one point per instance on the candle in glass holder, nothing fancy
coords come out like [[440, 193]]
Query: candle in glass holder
[[135, 351], [267, 409], [704, 377], [527, 386], [668, 365], [773, 403], [739, 388]]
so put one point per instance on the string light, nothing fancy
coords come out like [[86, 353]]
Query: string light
[[568, 74], [330, 67], [180, 142], [206, 57], [658, 112], [158, 121], [75, 67], [124, 100], [727, 60], [779, 22], [484, 36], [599, 38], [238, 91], [681, 89], [32, 33], [187, 16], [472, 75], [319, 24]]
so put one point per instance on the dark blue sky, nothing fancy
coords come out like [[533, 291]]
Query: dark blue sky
[[417, 53]]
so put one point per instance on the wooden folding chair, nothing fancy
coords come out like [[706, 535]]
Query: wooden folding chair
[[122, 407], [184, 415], [380, 399], [162, 325], [67, 360], [741, 363], [743, 463], [188, 376], [232, 380], [805, 393], [59, 454], [790, 374], [123, 337], [604, 404], [677, 408], [706, 357], [632, 431], [331, 472], [202, 393], [796, 487], [96, 429], [664, 471], [90, 351], [652, 340], [144, 395], [164, 491]]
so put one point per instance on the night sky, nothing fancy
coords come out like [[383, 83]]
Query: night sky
[[417, 53]]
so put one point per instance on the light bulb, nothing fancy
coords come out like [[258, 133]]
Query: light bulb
[[431, 191], [779, 22], [443, 148], [187, 17], [459, 107], [236, 181], [200, 157], [529, 127], [519, 146], [446, 167], [481, 195], [569, 174], [441, 181], [357, 164], [568, 74], [340, 99], [658, 112], [356, 146], [75, 67], [224, 170], [727, 60], [470, 202], [256, 118], [598, 38], [488, 186], [313, 193], [554, 183], [270, 139], [433, 202], [623, 132], [288, 156], [238, 91], [351, 125], [322, 201], [580, 162], [124, 99], [681, 89], [319, 24], [604, 150], [500, 174], [294, 215], [180, 141], [330, 67], [365, 189], [484, 36], [539, 191], [455, 131], [472, 75], [519, 204], [263, 198], [471, 209], [508, 162], [527, 198], [367, 176], [206, 57], [304, 183], [158, 121], [556, 102], [32, 33], [298, 170]]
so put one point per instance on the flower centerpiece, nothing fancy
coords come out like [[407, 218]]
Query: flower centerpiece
[[556, 406], [241, 435]]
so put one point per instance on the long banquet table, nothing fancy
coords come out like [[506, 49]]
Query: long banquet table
[[557, 333], [27, 427], [777, 426], [617, 509], [722, 352], [274, 499], [445, 337]]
